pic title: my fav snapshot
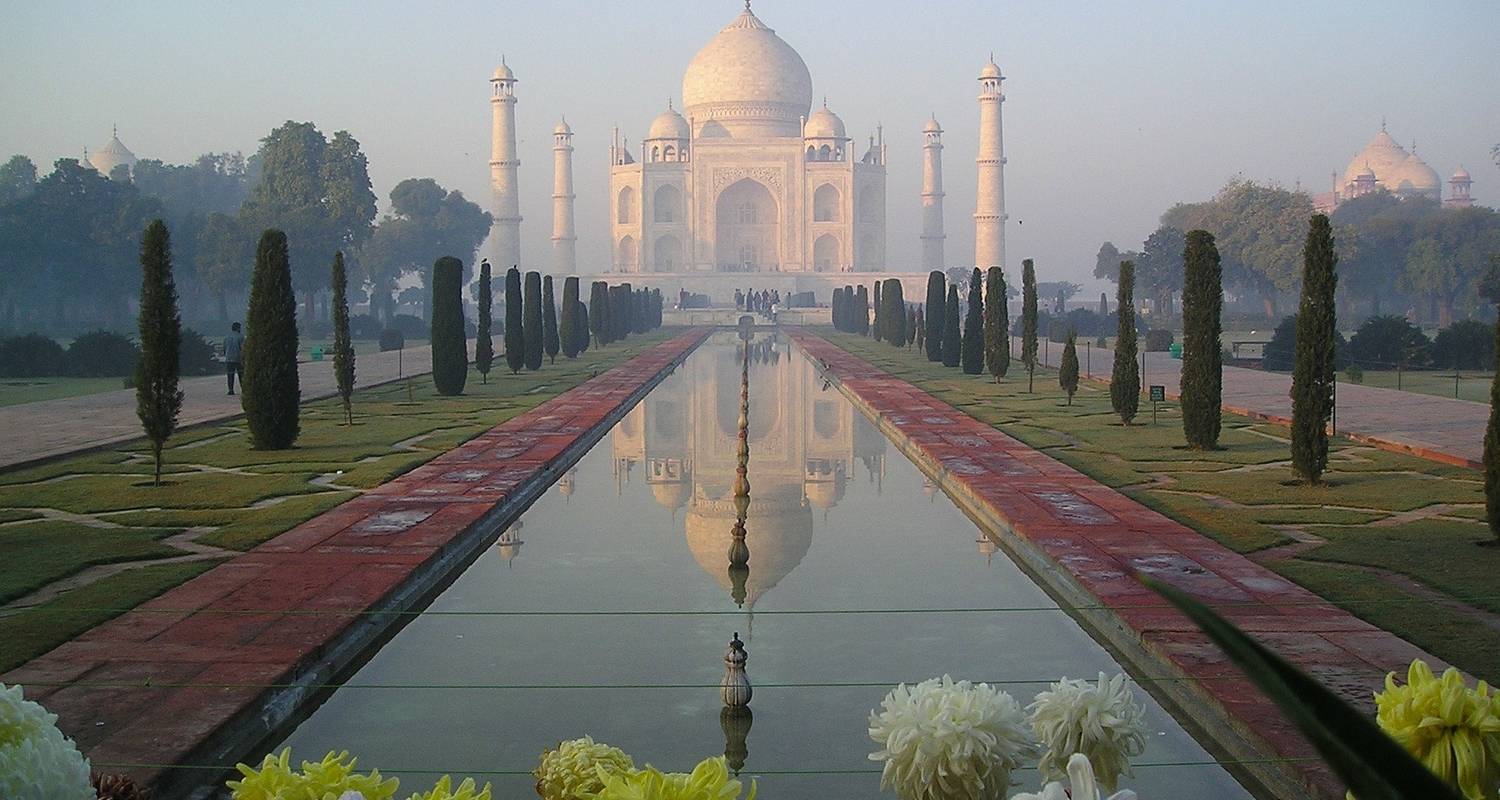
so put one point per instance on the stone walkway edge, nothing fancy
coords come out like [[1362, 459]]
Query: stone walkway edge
[[1083, 542], [117, 688]]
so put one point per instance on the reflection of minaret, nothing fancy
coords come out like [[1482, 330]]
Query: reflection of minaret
[[565, 484], [989, 211], [509, 543], [564, 240], [505, 193], [932, 196], [986, 548]]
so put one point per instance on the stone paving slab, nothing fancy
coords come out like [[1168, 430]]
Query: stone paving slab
[[1435, 428], [243, 625], [1085, 541]]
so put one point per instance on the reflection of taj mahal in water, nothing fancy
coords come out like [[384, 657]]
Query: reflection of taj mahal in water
[[804, 442]]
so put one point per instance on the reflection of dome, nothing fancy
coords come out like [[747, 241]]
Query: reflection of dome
[[671, 494], [778, 534], [1415, 176], [824, 124], [746, 81], [826, 494], [669, 125], [1381, 156]]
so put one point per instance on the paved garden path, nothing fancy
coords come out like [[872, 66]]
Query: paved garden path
[[202, 673], [1437, 428], [1085, 541], [50, 428]]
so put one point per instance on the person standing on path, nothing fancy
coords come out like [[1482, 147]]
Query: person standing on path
[[233, 344]]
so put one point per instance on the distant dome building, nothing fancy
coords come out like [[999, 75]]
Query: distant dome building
[[111, 155], [1384, 165]]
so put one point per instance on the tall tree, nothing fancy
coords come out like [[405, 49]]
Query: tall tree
[[861, 310], [531, 319], [1103, 305], [952, 339], [157, 398], [973, 336], [921, 332], [936, 297], [583, 327], [484, 347], [1312, 375], [17, 179], [223, 248], [879, 330], [599, 312], [568, 326], [343, 346], [1028, 322], [515, 336], [895, 312], [425, 219], [315, 189], [273, 395], [996, 324], [549, 321], [1202, 382], [838, 308], [913, 319], [1067, 373], [1125, 377], [1492, 447], [450, 349]]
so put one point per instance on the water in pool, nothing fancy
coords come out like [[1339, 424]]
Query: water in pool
[[632, 546]]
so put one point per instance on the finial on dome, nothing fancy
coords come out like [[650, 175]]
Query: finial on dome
[[1382, 123], [747, 6], [114, 131], [669, 104]]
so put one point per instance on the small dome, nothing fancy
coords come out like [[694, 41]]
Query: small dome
[[991, 70], [503, 73], [932, 126], [1366, 174], [824, 124], [1414, 175], [563, 128], [1462, 174], [669, 125]]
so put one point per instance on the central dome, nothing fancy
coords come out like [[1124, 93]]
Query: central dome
[[747, 83]]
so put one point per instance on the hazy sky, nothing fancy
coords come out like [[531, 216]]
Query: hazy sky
[[1114, 110]]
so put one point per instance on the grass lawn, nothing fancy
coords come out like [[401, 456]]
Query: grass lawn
[[1472, 386], [15, 391], [1242, 497], [237, 497]]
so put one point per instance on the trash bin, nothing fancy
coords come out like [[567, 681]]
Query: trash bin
[[317, 354], [1176, 350]]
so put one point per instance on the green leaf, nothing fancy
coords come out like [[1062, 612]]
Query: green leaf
[[1373, 765]]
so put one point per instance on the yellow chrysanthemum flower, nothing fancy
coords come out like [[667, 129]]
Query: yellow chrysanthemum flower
[[571, 771], [708, 781], [325, 780], [1452, 729], [444, 791]]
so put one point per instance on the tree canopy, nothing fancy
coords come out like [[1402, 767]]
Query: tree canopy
[[426, 219]]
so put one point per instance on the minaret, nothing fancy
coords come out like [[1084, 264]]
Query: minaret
[[1458, 189], [932, 196], [564, 240], [989, 211], [505, 194]]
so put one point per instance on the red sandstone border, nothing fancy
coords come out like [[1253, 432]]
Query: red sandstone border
[[387, 550], [1083, 541]]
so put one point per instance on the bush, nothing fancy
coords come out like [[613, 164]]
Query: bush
[[1468, 344], [1087, 322], [102, 354], [1158, 340], [196, 355], [1354, 374], [1281, 352], [412, 327], [32, 355], [1057, 328], [392, 339], [1384, 342], [364, 326]]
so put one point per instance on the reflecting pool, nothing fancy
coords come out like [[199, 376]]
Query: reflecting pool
[[607, 608]]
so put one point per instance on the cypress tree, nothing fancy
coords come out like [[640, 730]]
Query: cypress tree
[[627, 315], [894, 315], [484, 348], [912, 321], [973, 342], [837, 307], [881, 323], [1312, 375], [272, 393], [952, 341], [568, 326], [921, 329], [450, 350], [1202, 381], [599, 312], [583, 327], [515, 336], [1067, 373], [1492, 447], [1103, 304], [934, 310], [157, 398], [1028, 322], [1125, 377], [549, 321], [343, 346], [996, 324], [861, 310], [531, 319]]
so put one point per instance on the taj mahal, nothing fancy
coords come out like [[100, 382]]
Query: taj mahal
[[747, 182]]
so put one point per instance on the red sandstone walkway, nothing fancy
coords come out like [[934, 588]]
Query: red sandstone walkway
[[1077, 534], [1437, 428], [239, 623]]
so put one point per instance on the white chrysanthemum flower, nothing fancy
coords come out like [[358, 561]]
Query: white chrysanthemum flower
[[36, 761], [1081, 785], [1102, 721], [946, 740]]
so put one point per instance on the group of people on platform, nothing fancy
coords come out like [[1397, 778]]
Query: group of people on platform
[[763, 301]]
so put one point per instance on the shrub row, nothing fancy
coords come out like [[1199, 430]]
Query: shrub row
[[96, 354]]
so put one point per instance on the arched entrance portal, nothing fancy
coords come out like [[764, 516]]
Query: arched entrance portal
[[748, 229], [667, 255], [826, 253]]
